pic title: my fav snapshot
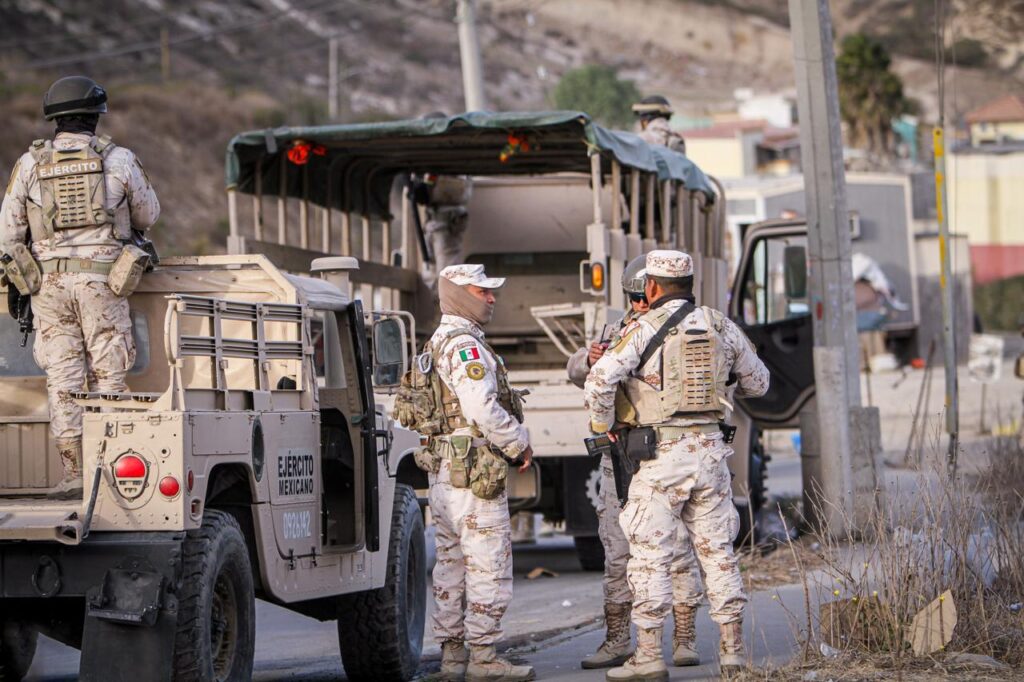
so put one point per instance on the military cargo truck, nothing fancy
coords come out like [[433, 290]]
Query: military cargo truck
[[558, 206], [248, 459]]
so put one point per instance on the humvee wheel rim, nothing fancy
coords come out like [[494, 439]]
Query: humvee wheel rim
[[223, 627]]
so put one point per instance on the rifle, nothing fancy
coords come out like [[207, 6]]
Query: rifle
[[419, 193], [623, 466]]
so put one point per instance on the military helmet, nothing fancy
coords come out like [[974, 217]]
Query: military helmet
[[74, 95], [653, 106], [634, 276]]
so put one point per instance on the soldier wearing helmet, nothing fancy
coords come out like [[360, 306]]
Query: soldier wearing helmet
[[69, 212], [618, 597], [653, 113]]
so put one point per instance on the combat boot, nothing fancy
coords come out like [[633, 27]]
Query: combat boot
[[454, 659], [486, 666], [731, 656], [69, 487], [684, 635], [616, 647], [646, 664]]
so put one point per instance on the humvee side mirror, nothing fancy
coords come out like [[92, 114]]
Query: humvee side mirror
[[795, 270], [390, 355]]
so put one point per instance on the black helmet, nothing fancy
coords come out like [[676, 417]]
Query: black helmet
[[654, 106], [635, 275], [74, 95]]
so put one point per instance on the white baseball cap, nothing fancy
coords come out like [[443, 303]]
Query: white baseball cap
[[471, 273]]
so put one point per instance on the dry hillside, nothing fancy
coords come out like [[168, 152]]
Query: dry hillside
[[238, 64]]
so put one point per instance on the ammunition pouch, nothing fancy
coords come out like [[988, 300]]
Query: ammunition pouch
[[460, 452], [489, 473], [23, 271], [641, 444], [126, 273]]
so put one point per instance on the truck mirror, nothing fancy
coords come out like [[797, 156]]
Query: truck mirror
[[390, 357], [795, 264]]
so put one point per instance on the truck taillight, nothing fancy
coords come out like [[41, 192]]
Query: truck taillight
[[130, 474], [169, 487]]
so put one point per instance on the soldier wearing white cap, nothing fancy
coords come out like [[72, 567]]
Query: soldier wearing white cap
[[618, 600], [679, 367], [482, 430]]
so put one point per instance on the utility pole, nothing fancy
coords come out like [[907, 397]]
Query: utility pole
[[844, 434], [469, 51], [165, 55], [332, 79]]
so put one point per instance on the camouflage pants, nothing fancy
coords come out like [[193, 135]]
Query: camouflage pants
[[689, 480], [473, 573], [83, 341], [686, 585]]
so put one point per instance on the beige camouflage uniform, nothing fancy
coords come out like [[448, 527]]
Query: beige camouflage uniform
[[690, 477], [658, 131], [686, 584], [473, 574], [83, 337]]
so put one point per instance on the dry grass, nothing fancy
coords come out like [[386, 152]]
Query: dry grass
[[948, 532]]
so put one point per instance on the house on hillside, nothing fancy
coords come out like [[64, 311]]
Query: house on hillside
[[741, 148], [997, 122]]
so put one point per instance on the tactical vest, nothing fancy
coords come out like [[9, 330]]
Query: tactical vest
[[72, 189], [425, 403], [692, 380]]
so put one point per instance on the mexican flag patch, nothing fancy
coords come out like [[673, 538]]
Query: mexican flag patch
[[468, 354]]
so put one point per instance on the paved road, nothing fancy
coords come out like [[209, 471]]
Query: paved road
[[553, 623]]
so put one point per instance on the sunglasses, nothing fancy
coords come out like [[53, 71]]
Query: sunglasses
[[638, 298]]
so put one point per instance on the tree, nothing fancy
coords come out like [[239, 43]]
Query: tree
[[598, 91], [870, 95]]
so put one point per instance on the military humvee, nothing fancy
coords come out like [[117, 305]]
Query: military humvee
[[249, 459], [559, 205]]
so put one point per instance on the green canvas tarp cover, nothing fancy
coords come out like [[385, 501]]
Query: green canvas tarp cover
[[353, 167]]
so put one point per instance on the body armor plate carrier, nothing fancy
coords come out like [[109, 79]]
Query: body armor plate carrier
[[425, 403], [692, 380], [72, 188]]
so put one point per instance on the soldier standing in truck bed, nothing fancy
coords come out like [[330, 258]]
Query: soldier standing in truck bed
[[76, 198], [654, 113]]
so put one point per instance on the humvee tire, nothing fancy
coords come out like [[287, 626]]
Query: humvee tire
[[380, 633], [590, 552], [17, 649], [216, 606]]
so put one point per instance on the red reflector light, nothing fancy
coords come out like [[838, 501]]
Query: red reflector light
[[130, 466], [169, 486], [190, 481]]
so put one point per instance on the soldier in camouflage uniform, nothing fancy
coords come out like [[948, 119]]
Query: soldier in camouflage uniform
[[84, 338], [653, 113], [686, 475], [618, 600], [473, 574]]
